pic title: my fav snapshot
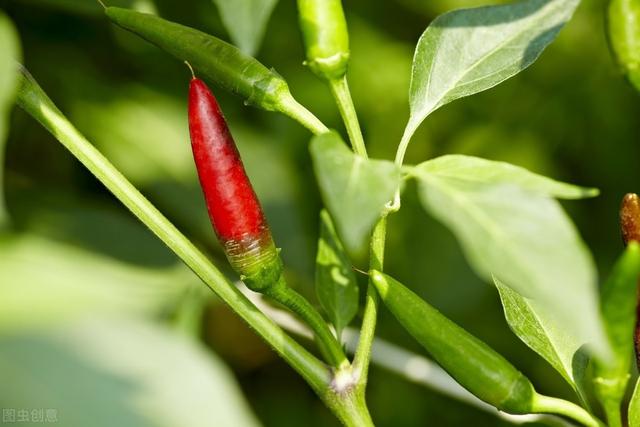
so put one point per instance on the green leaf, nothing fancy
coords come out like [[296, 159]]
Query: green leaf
[[619, 298], [93, 7], [61, 282], [544, 333], [354, 189], [9, 57], [510, 227], [125, 372], [634, 406], [470, 50], [476, 170], [336, 284], [246, 21]]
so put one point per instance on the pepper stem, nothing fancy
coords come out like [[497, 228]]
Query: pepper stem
[[329, 346], [342, 95], [292, 108], [368, 329], [553, 405]]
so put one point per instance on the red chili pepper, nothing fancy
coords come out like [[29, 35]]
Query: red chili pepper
[[630, 227], [234, 209]]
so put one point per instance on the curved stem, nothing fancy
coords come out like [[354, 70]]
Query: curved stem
[[298, 304], [342, 95], [367, 332], [35, 102], [404, 143], [553, 405], [298, 112]]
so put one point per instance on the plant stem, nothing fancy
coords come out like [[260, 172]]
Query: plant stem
[[295, 110], [612, 412], [35, 102], [368, 329], [404, 143], [553, 405], [342, 95], [352, 409], [298, 304]]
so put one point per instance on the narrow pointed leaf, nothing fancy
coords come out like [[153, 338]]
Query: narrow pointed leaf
[[336, 284], [354, 189], [634, 406], [544, 333], [246, 21], [511, 228], [470, 50]]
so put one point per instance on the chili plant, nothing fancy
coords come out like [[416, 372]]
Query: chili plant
[[508, 221]]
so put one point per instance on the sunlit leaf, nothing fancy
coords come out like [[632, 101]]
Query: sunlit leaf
[[511, 228], [545, 334], [354, 189], [59, 281], [119, 372], [336, 284], [470, 50], [246, 21]]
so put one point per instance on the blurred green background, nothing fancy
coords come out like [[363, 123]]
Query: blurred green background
[[81, 279]]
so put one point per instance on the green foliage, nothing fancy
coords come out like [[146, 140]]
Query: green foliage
[[246, 21], [161, 379], [470, 50], [84, 282], [553, 119], [336, 284], [510, 227], [541, 329], [355, 190]]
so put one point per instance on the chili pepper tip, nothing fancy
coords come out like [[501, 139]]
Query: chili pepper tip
[[630, 218]]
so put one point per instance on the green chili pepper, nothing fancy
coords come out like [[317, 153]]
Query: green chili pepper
[[324, 29], [220, 61], [623, 18], [470, 361], [217, 59]]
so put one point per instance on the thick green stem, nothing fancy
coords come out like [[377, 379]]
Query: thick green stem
[[34, 101], [342, 95], [298, 304], [553, 405], [368, 330], [352, 410], [292, 108], [612, 412]]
